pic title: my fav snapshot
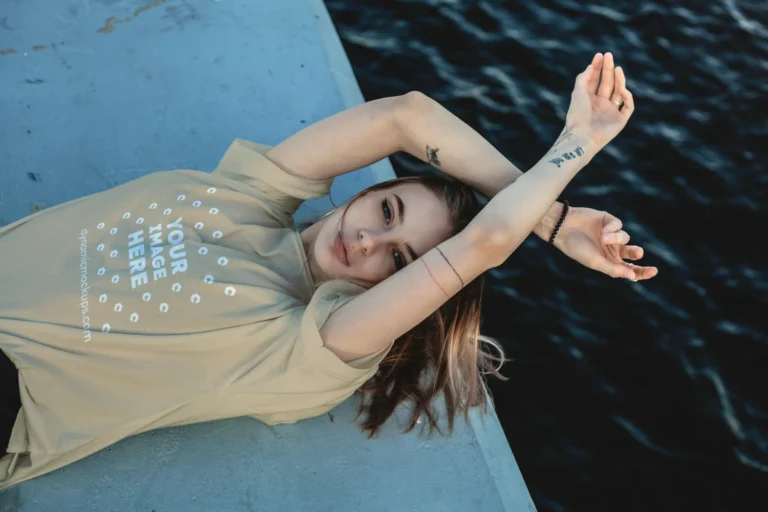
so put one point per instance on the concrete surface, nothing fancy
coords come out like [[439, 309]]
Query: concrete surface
[[97, 93]]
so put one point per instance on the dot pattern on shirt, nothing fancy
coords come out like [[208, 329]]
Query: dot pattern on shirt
[[176, 287]]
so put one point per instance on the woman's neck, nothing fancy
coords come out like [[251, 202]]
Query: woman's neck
[[308, 239]]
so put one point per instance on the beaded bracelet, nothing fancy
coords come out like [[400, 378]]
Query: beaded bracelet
[[559, 223]]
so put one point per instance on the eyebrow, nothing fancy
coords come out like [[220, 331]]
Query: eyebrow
[[401, 216]]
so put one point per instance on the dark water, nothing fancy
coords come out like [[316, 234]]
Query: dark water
[[622, 396]]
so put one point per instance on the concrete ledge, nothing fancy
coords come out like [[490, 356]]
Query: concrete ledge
[[99, 93], [321, 464]]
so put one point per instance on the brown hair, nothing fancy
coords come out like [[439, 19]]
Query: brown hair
[[443, 354]]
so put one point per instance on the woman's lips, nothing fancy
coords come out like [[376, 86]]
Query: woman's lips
[[341, 250]]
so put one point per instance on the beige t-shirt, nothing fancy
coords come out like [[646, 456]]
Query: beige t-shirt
[[179, 297]]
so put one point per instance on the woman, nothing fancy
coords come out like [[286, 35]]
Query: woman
[[187, 296]]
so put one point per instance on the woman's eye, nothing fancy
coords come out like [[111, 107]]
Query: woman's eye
[[399, 264], [387, 211]]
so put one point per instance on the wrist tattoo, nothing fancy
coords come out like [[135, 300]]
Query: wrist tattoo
[[565, 135], [568, 155], [432, 156]]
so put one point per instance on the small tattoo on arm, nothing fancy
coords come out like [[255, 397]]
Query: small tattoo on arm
[[556, 161], [568, 155], [432, 156], [563, 136]]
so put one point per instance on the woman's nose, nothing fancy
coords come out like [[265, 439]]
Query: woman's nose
[[371, 239]]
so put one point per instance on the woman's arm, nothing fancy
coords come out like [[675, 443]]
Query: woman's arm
[[344, 142], [461, 152], [371, 320], [369, 132]]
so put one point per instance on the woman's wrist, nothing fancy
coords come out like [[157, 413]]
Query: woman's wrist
[[576, 136], [547, 224]]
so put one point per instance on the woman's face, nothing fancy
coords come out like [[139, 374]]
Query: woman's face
[[381, 233]]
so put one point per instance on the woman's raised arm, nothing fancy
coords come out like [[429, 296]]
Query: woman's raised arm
[[346, 141], [461, 152], [370, 321]]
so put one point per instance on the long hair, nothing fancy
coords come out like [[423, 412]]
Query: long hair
[[445, 354]]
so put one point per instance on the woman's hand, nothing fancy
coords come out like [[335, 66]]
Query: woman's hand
[[596, 240], [600, 103]]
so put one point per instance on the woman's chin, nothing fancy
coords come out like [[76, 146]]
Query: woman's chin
[[333, 269]]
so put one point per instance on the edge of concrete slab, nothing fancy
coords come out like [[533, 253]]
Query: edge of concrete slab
[[491, 439], [342, 73]]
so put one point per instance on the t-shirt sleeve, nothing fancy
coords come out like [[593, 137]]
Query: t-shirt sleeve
[[321, 378], [329, 297], [247, 163]]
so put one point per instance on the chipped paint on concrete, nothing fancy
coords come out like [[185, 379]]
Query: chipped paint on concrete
[[150, 5], [109, 25]]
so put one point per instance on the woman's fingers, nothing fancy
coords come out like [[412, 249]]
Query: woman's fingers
[[622, 92], [630, 271], [619, 83], [613, 223], [621, 270], [640, 273], [606, 77], [631, 252], [594, 80], [618, 237], [583, 79]]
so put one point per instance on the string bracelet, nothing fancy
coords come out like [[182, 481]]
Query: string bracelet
[[449, 264], [559, 223], [433, 277]]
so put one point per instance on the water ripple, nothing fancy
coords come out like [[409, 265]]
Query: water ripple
[[607, 12], [727, 411], [640, 436], [687, 178], [750, 462], [751, 26]]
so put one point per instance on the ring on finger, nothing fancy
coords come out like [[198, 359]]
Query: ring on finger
[[618, 103], [630, 265]]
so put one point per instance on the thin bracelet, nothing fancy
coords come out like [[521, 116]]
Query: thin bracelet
[[433, 277], [449, 263], [559, 223]]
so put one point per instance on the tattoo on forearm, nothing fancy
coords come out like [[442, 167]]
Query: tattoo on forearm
[[568, 155], [432, 156], [565, 135]]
